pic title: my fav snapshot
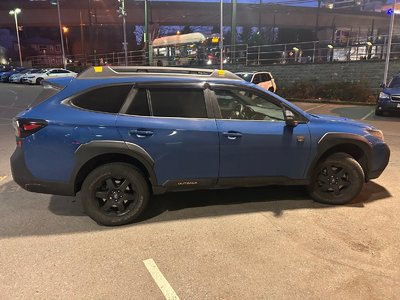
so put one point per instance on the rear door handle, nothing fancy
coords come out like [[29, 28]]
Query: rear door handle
[[141, 133], [232, 135]]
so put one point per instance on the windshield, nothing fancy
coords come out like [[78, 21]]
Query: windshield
[[245, 76], [395, 82]]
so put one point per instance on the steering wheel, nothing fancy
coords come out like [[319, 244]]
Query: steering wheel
[[248, 113], [237, 112]]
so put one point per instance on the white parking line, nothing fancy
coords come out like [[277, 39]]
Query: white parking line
[[315, 107], [367, 115], [159, 278]]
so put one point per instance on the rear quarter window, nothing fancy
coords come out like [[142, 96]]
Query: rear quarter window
[[103, 99]]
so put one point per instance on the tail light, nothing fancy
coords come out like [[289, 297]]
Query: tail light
[[26, 127]]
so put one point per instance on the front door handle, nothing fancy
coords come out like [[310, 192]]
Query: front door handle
[[232, 135], [141, 133]]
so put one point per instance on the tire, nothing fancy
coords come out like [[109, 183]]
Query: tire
[[378, 112], [39, 81], [107, 202], [336, 180]]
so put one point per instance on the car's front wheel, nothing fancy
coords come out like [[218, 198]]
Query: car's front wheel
[[336, 180], [115, 194], [39, 81]]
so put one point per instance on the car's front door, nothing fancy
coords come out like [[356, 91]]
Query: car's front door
[[172, 125], [255, 141]]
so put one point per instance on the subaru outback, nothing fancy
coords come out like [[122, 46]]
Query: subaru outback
[[118, 135]]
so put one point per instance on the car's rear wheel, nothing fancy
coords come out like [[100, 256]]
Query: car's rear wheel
[[336, 180], [115, 194], [39, 81]]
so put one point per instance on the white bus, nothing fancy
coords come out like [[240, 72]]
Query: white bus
[[180, 50]]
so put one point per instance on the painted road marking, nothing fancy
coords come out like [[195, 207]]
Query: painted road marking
[[315, 107], [2, 178], [367, 115], [159, 278]]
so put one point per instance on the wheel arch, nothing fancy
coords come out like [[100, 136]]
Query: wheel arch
[[96, 153], [352, 144]]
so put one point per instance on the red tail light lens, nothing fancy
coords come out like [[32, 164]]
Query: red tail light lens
[[26, 127]]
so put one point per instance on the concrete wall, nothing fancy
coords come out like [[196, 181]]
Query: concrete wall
[[369, 73]]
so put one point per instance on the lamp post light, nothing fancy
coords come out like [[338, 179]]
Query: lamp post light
[[14, 13], [122, 14], [57, 2], [221, 38], [389, 44], [66, 31]]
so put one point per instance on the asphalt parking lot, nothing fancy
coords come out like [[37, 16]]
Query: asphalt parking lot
[[263, 243]]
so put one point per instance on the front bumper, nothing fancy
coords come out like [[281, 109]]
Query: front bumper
[[388, 106], [30, 80], [379, 160], [24, 178]]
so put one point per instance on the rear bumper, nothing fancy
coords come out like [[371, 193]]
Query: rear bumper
[[379, 160], [24, 178]]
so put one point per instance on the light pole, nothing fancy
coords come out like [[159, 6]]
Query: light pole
[[66, 31], [389, 45], [14, 13], [57, 2], [122, 14], [221, 38]]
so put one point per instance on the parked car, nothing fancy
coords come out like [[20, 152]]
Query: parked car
[[33, 74], [4, 69], [121, 134], [389, 99], [263, 79], [37, 78], [17, 78], [5, 76]]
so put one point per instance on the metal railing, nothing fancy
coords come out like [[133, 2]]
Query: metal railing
[[113, 58], [350, 49]]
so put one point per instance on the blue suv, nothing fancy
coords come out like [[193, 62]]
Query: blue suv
[[389, 98], [120, 134]]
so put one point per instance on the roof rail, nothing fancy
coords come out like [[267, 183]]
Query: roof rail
[[118, 71]]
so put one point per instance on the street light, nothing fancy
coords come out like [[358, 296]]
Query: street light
[[122, 14], [66, 31], [14, 13], [389, 45], [221, 38], [57, 2]]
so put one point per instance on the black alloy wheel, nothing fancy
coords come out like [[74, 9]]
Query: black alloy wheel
[[337, 180], [115, 194]]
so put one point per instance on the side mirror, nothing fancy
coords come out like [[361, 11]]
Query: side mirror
[[290, 118], [382, 85]]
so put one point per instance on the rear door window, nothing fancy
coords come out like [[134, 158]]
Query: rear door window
[[103, 99], [183, 103]]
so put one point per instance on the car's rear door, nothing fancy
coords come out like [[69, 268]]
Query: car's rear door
[[173, 125]]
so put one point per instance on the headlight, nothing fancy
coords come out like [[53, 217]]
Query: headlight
[[376, 133], [383, 95]]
